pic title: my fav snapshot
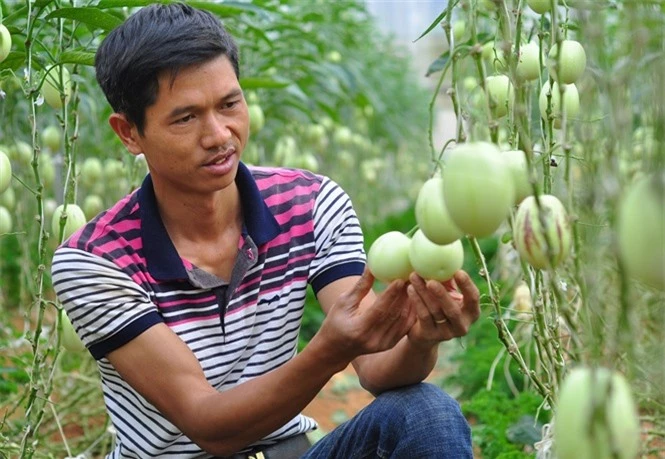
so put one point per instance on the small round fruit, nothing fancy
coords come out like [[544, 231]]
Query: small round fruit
[[434, 261], [5, 171], [477, 188], [309, 162], [640, 230], [388, 257], [8, 199], [92, 205], [335, 56], [541, 6], [432, 216], [500, 92], [114, 171], [57, 82], [346, 159], [46, 169], [256, 118], [571, 62], [469, 83], [69, 338], [49, 206], [519, 169], [75, 220], [571, 102], [5, 42], [542, 246], [92, 171], [528, 64], [596, 416], [487, 51], [22, 153], [522, 301], [316, 135], [459, 28], [51, 137], [343, 136], [5, 221]]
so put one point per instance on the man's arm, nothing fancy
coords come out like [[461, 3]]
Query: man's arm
[[162, 368], [414, 357]]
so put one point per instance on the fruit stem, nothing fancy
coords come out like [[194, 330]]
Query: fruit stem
[[504, 333], [432, 106]]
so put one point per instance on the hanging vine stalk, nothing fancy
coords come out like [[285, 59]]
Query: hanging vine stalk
[[41, 385]]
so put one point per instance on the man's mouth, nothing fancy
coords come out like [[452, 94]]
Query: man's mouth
[[220, 158]]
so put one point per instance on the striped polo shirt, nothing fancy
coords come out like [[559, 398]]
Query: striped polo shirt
[[121, 274]]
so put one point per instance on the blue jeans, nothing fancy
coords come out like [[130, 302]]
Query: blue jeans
[[414, 422]]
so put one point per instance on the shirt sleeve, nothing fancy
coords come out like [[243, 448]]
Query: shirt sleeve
[[338, 237], [106, 307]]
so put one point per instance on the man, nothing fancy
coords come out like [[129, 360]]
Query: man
[[190, 291]]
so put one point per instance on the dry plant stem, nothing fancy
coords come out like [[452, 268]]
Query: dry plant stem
[[495, 363], [459, 130], [512, 58], [62, 433], [460, 136], [554, 298], [432, 106], [36, 401], [509, 378], [542, 337], [504, 333], [494, 130]]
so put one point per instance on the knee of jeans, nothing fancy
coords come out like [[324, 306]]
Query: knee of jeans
[[426, 402]]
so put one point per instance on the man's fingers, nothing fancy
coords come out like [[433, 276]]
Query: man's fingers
[[467, 288], [362, 287], [435, 297], [421, 310]]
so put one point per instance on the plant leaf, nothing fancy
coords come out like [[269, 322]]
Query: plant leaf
[[438, 64], [13, 61], [228, 8], [88, 15], [78, 57], [260, 82], [433, 24], [103, 4], [42, 3]]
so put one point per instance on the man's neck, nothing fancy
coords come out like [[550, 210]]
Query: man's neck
[[199, 218]]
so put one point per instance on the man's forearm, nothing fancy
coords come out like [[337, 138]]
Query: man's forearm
[[260, 406], [403, 365]]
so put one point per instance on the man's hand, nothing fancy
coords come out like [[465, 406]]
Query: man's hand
[[444, 310], [362, 323]]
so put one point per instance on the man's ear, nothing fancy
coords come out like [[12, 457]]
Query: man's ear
[[127, 132]]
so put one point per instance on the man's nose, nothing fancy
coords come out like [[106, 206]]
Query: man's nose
[[216, 131]]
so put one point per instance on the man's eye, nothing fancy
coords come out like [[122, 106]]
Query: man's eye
[[231, 104], [184, 119]]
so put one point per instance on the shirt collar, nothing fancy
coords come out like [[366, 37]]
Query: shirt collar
[[162, 258]]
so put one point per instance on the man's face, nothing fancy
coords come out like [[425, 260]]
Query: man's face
[[196, 130]]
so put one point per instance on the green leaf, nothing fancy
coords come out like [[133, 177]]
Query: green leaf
[[42, 3], [226, 9], [78, 57], [433, 24], [88, 15], [14, 61], [439, 64], [261, 82], [103, 4]]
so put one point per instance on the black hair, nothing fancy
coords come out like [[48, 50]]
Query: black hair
[[156, 39]]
